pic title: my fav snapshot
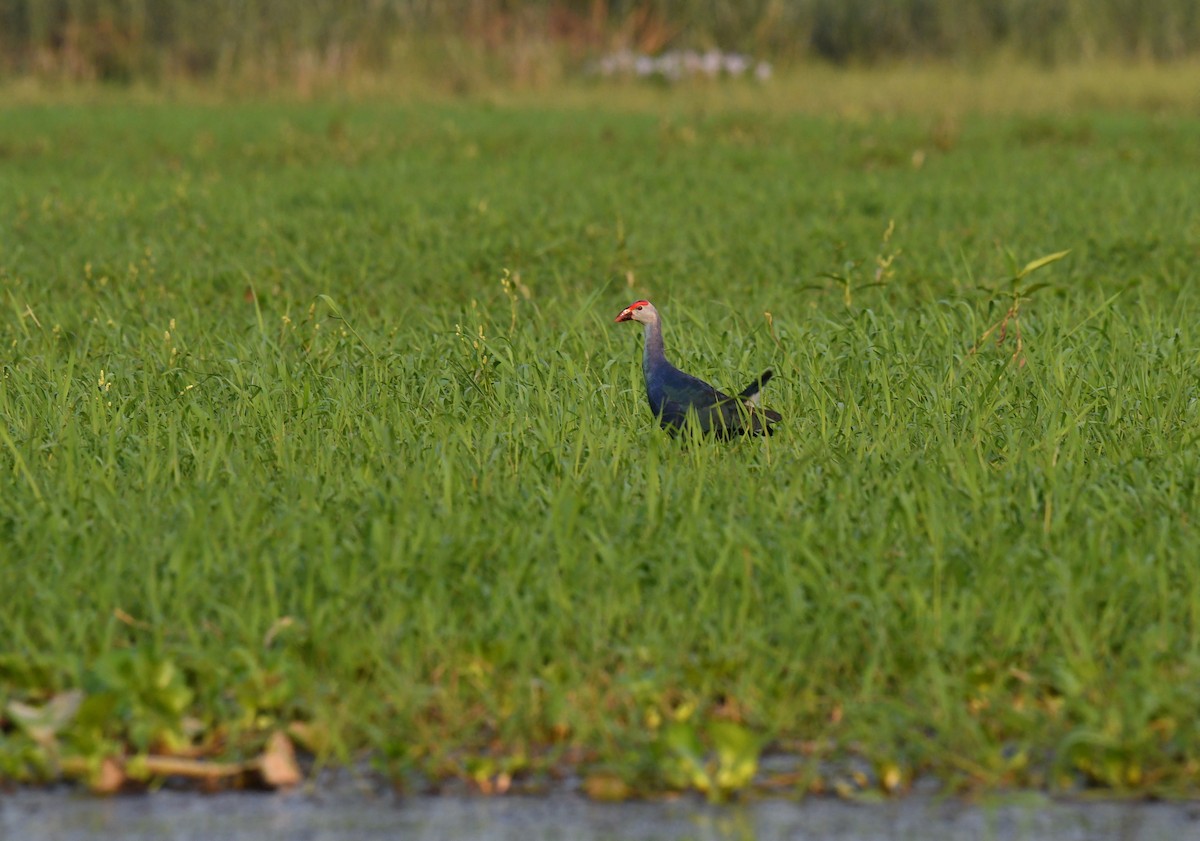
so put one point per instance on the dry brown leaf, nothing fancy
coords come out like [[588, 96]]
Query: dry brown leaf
[[43, 723], [109, 778], [277, 765], [280, 624], [606, 787]]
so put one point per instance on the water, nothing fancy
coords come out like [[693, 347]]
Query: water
[[70, 816]]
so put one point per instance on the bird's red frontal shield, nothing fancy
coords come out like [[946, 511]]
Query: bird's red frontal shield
[[627, 313]]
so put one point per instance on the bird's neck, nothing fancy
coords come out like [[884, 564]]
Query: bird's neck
[[653, 351]]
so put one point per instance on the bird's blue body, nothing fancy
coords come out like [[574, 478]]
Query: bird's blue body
[[674, 395]]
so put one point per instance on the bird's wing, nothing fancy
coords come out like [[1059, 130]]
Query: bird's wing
[[674, 394]]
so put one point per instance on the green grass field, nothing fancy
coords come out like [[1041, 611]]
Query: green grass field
[[313, 418]]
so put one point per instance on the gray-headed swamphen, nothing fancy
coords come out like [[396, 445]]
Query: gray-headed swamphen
[[673, 395]]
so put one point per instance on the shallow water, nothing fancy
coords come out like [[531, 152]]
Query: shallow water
[[70, 816]]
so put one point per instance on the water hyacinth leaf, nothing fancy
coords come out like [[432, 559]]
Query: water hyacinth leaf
[[737, 749], [96, 716], [152, 692], [684, 765]]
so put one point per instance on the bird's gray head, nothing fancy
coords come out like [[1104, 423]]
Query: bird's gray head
[[642, 311]]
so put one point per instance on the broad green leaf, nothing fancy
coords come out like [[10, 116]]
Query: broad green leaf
[[737, 754]]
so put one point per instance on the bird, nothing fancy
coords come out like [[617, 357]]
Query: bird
[[675, 396]]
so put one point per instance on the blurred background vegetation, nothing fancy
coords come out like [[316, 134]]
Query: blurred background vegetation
[[289, 41]]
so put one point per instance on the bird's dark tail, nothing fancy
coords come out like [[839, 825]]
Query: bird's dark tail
[[760, 418], [750, 392]]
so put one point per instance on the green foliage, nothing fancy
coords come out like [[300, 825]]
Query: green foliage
[[144, 694], [316, 418], [728, 767]]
